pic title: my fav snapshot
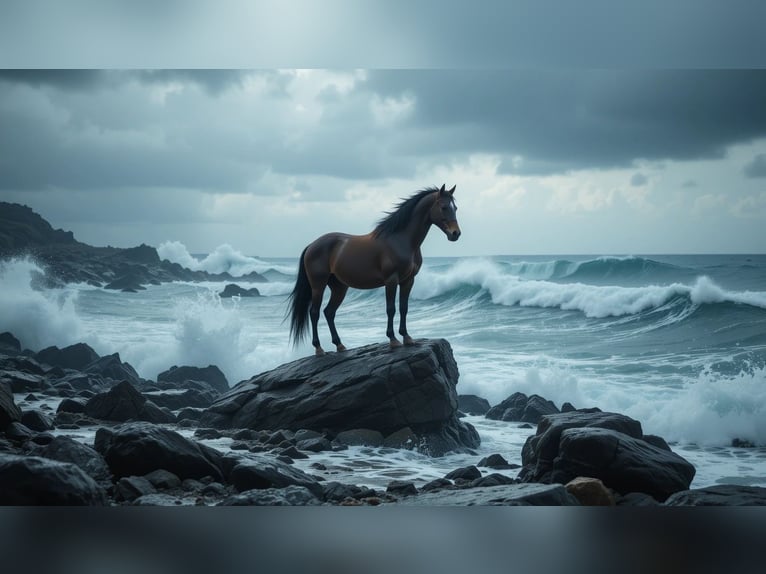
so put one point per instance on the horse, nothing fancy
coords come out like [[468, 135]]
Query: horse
[[389, 256]]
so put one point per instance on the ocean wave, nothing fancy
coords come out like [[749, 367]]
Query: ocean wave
[[223, 259], [596, 301], [38, 318]]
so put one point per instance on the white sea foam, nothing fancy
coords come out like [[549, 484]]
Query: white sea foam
[[38, 318], [223, 259], [596, 301]]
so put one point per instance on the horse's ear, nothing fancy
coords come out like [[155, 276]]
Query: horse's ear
[[442, 190], [452, 191]]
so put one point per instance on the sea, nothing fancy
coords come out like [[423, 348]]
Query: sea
[[677, 342]]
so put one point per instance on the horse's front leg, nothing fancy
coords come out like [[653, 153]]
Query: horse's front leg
[[390, 312], [404, 303]]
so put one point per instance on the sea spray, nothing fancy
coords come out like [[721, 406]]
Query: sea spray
[[37, 317], [224, 258]]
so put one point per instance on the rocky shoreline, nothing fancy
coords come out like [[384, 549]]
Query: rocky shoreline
[[77, 428], [23, 233]]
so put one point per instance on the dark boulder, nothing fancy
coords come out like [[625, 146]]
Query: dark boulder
[[372, 387], [75, 406], [112, 367], [542, 448], [9, 345], [176, 399], [32, 480], [123, 403], [263, 472], [510, 409], [140, 448], [9, 411], [623, 463], [234, 290], [472, 405], [520, 407], [536, 408], [720, 495], [464, 473], [128, 488], [77, 356], [36, 420], [19, 432], [496, 461], [401, 488], [65, 449], [21, 382], [503, 495], [210, 374], [492, 479], [288, 496]]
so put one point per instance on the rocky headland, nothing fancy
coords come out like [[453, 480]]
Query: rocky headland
[[77, 428], [24, 233]]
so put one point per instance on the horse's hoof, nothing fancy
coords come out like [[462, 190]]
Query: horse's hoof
[[319, 352], [394, 343], [408, 341], [340, 348]]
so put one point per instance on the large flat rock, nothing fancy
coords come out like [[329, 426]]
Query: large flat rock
[[372, 387]]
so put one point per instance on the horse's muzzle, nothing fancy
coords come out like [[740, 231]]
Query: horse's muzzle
[[453, 235]]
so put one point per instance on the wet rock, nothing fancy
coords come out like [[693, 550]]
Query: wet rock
[[18, 432], [175, 400], [401, 488], [493, 479], [623, 463], [542, 448], [210, 374], [336, 491], [189, 413], [472, 404], [21, 382], [9, 411], [567, 408], [536, 408], [123, 403], [403, 438], [314, 444], [305, 434], [510, 409], [636, 499], [437, 484], [163, 479], [504, 495], [496, 461], [112, 367], [65, 449], [32, 480], [720, 495], [76, 357], [9, 345], [74, 406], [371, 387], [262, 472], [287, 496], [140, 448], [234, 290], [464, 473], [359, 437], [129, 488]]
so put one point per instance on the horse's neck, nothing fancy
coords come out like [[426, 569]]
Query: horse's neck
[[420, 224]]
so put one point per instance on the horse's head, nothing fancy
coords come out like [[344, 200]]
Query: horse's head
[[443, 213]]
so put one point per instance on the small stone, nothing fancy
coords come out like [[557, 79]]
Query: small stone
[[401, 488]]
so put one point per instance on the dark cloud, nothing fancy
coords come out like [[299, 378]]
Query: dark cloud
[[757, 167], [584, 119], [214, 81], [62, 129]]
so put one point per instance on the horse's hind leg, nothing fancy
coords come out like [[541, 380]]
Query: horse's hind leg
[[337, 294], [316, 304]]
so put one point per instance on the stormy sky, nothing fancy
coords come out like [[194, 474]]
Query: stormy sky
[[546, 159]]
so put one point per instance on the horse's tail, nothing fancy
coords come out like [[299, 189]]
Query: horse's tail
[[299, 303]]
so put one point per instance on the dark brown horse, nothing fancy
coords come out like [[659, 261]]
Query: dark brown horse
[[388, 256]]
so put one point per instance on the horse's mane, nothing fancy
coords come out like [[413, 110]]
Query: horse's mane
[[400, 216]]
